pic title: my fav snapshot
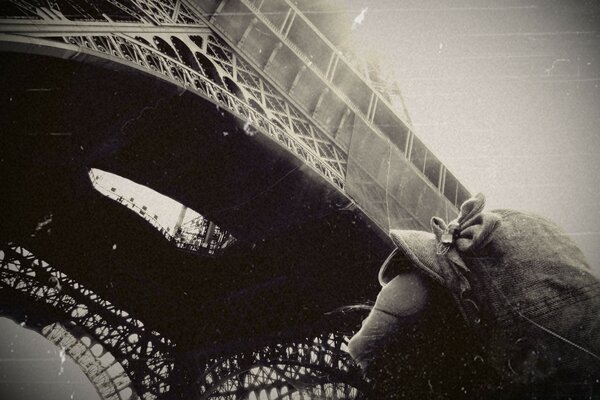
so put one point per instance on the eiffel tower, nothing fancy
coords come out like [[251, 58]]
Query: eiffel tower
[[292, 157]]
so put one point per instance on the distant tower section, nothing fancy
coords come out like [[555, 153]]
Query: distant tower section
[[384, 83]]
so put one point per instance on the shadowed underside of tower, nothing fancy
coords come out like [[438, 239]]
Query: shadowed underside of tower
[[242, 111]]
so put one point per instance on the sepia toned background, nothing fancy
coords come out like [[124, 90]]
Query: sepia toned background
[[506, 93]]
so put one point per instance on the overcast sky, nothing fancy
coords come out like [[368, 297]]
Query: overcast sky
[[506, 93]]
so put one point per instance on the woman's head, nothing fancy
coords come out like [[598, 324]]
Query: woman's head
[[413, 337], [492, 278]]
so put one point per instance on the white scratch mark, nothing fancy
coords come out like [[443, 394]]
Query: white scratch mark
[[359, 18], [63, 358], [556, 63], [42, 224], [248, 129], [140, 114]]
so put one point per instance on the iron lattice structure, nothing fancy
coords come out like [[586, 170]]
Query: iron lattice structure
[[125, 360], [198, 235], [312, 368], [116, 351], [176, 41], [172, 41], [316, 367]]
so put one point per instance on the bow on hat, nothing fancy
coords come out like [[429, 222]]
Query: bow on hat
[[439, 253], [470, 231]]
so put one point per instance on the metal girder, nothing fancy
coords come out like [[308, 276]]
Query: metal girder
[[275, 105], [306, 61], [149, 45], [336, 56], [198, 235], [306, 138], [124, 359], [145, 11], [67, 28], [315, 367], [139, 359], [102, 369], [172, 41]]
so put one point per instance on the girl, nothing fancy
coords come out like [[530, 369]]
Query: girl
[[493, 305]]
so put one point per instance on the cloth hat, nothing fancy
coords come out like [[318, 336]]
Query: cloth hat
[[520, 282]]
